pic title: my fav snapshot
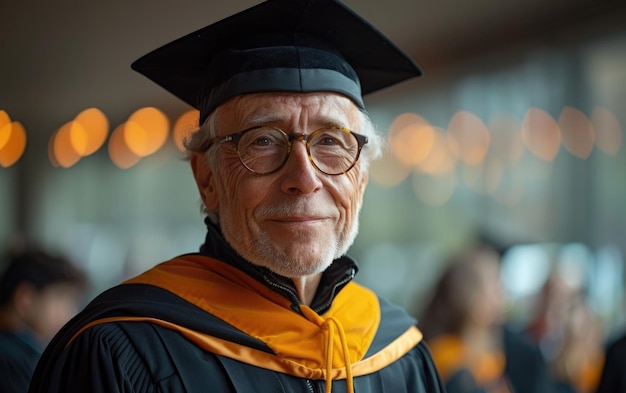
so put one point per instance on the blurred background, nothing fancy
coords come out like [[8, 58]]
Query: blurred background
[[515, 134]]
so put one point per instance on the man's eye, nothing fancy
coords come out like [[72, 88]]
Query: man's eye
[[328, 141], [263, 141]]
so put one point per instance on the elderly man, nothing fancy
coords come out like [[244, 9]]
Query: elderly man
[[280, 161]]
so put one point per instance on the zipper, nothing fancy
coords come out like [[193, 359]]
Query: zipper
[[311, 387], [291, 295]]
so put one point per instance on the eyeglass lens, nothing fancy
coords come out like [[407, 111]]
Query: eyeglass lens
[[266, 149]]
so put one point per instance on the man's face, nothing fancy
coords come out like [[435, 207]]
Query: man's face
[[50, 308], [297, 220]]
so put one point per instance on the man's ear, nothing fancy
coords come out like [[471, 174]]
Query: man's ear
[[205, 180], [365, 176]]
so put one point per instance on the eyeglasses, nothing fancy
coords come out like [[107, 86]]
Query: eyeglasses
[[265, 149]]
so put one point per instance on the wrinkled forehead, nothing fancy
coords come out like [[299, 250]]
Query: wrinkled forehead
[[290, 109]]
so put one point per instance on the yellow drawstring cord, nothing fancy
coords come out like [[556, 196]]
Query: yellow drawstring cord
[[333, 324]]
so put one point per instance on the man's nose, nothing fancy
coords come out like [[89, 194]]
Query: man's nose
[[299, 173]]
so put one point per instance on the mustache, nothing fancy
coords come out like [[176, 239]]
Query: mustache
[[294, 209]]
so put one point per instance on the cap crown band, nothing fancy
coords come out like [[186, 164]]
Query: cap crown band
[[277, 69]]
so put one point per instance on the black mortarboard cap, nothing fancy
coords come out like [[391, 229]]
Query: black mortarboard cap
[[278, 45]]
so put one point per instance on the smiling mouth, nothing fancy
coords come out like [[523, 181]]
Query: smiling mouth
[[282, 214], [298, 220]]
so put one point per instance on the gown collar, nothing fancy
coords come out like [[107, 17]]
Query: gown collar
[[338, 274]]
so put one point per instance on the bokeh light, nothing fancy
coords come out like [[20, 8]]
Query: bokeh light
[[439, 159], [119, 152], [468, 137], [15, 143], [146, 131], [411, 138], [95, 126], [541, 134], [78, 138], [4, 132], [67, 144], [577, 133]]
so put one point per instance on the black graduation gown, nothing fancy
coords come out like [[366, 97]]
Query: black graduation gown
[[143, 357], [139, 356]]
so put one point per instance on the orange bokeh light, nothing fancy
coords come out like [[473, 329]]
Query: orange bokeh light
[[578, 135], [146, 131], [411, 138], [4, 133], [119, 151], [440, 159], [15, 143], [95, 126], [67, 145], [468, 137], [541, 134]]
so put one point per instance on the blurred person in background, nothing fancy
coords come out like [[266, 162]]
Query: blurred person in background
[[461, 324], [551, 307], [569, 334], [268, 304], [577, 364], [465, 326], [39, 293]]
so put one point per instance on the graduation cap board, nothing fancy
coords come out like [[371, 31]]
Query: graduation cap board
[[278, 45]]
